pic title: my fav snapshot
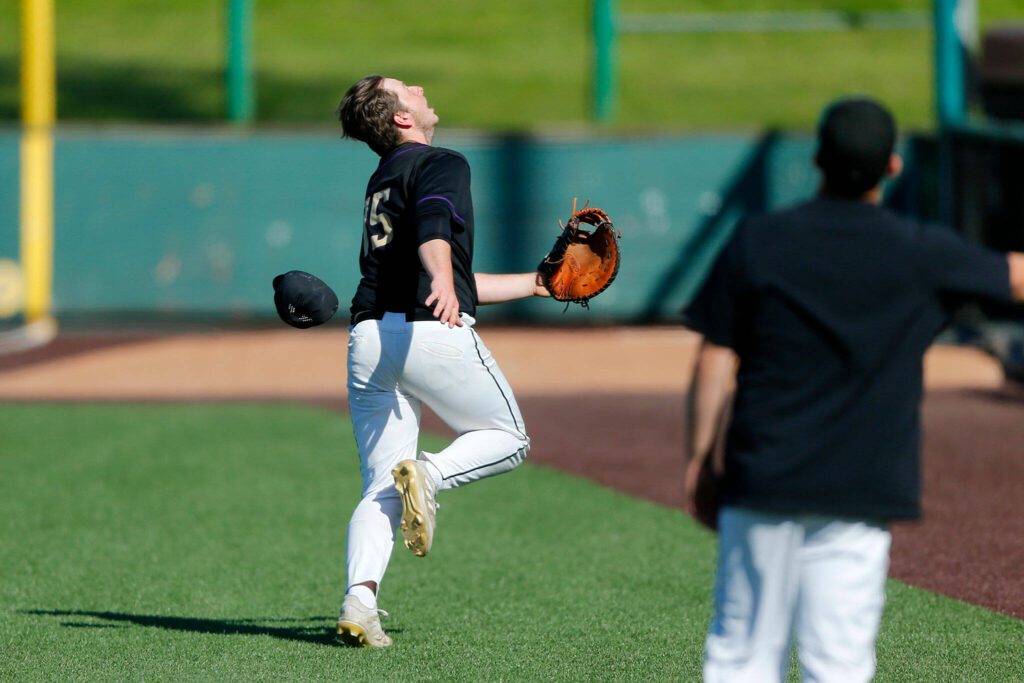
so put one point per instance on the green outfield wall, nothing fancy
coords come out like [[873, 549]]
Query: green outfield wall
[[151, 222]]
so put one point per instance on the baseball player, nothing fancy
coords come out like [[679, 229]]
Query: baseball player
[[815, 320], [412, 342]]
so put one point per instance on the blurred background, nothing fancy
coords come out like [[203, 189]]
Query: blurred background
[[195, 153]]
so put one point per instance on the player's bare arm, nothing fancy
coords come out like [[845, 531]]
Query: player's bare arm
[[495, 289], [707, 410], [436, 256], [1016, 260]]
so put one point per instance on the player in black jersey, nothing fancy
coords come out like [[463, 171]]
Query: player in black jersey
[[815, 320], [412, 342]]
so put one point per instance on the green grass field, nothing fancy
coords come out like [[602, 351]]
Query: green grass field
[[520, 65], [207, 542]]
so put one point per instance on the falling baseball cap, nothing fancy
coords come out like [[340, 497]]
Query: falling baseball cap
[[303, 300], [856, 137]]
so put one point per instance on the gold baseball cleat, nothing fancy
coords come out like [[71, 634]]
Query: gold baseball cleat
[[419, 507]]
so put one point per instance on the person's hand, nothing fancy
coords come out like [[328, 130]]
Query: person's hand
[[445, 303], [702, 492], [690, 488], [538, 287]]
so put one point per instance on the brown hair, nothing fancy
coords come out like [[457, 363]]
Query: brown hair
[[367, 113]]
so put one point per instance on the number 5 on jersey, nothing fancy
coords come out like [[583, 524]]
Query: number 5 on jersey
[[377, 223]]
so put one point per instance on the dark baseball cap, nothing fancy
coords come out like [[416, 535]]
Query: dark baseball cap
[[303, 300], [856, 137]]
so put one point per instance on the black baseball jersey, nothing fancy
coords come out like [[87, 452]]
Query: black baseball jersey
[[830, 306], [418, 193]]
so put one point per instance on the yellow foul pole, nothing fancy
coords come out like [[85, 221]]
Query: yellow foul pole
[[38, 76]]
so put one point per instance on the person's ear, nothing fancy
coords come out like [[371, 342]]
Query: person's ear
[[403, 119], [895, 166]]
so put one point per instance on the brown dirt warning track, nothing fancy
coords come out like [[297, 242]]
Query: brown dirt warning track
[[627, 386]]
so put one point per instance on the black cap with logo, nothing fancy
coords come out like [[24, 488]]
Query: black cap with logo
[[303, 300]]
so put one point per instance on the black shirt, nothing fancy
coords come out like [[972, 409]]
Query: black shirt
[[418, 193], [830, 306]]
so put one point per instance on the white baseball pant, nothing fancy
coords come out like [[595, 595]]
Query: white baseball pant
[[819, 578], [394, 366]]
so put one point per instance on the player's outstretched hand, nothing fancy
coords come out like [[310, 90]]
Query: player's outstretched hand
[[445, 303], [539, 288]]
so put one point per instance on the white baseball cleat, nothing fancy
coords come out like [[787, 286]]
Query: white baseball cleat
[[419, 507], [359, 625]]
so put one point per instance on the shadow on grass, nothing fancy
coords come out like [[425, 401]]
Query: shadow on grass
[[314, 633]]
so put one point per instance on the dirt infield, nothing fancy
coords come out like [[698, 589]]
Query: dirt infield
[[970, 544]]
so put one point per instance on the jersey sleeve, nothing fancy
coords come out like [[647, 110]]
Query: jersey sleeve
[[956, 266], [441, 194], [716, 311]]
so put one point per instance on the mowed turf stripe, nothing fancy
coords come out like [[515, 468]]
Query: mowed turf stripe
[[207, 542]]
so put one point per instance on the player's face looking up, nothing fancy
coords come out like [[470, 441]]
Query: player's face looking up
[[420, 116]]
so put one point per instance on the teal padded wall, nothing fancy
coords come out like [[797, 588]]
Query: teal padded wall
[[9, 189], [151, 221]]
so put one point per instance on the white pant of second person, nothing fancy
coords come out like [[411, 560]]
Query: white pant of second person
[[394, 366], [820, 578]]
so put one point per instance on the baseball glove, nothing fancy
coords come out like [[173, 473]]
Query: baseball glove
[[582, 263]]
